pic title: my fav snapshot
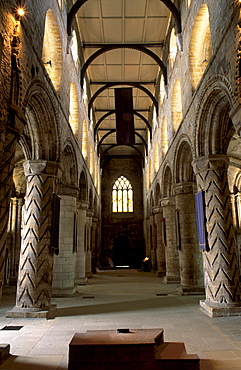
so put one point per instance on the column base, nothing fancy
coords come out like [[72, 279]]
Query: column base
[[4, 352], [171, 280], [63, 292], [191, 290], [81, 281], [213, 311], [160, 274], [45, 313]]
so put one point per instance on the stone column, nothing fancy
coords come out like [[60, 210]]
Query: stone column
[[220, 260], [153, 244], [14, 232], [190, 258], [160, 250], [171, 253], [36, 258], [94, 242], [148, 244], [88, 267], [80, 259], [64, 263], [11, 135]]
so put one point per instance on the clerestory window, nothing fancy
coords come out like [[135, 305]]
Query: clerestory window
[[122, 195]]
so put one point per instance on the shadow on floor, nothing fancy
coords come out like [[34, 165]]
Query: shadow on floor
[[160, 303]]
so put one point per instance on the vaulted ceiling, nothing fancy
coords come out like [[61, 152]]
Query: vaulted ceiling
[[124, 27]]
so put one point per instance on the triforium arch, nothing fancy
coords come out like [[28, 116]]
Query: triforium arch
[[157, 194], [52, 49], [69, 166], [213, 134], [83, 186], [169, 4], [183, 162], [167, 182]]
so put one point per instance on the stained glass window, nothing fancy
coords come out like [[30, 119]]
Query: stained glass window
[[122, 195]]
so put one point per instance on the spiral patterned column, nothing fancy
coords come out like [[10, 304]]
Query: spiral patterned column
[[36, 258], [220, 261]]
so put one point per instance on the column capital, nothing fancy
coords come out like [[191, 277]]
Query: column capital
[[156, 210], [41, 167], [210, 163], [168, 201], [184, 188], [70, 190], [83, 204]]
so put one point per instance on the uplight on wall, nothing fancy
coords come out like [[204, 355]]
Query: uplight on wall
[[20, 12]]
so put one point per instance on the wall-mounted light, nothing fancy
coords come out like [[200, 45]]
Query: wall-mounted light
[[49, 62], [20, 12]]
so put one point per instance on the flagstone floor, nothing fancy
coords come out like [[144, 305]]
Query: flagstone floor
[[115, 299]]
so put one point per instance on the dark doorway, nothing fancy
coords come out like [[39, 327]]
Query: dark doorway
[[121, 251]]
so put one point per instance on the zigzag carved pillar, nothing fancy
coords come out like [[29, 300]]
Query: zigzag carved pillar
[[160, 250], [169, 239], [36, 258], [220, 261], [190, 258]]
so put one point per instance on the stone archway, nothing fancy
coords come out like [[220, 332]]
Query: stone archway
[[214, 131]]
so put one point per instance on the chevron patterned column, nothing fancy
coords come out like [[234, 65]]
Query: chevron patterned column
[[171, 252], [220, 261], [36, 257]]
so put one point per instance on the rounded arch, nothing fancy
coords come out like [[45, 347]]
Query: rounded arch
[[157, 195], [69, 166], [213, 127], [92, 161], [83, 186], [74, 109], [52, 49], [110, 84], [164, 137], [74, 47], [156, 157], [84, 146], [162, 90], [41, 134], [107, 48], [150, 171], [200, 49], [176, 105], [167, 182], [183, 162], [91, 199], [169, 4], [172, 48]]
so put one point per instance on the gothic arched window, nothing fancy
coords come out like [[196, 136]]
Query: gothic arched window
[[122, 195]]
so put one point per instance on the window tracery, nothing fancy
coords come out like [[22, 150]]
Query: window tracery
[[122, 196]]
